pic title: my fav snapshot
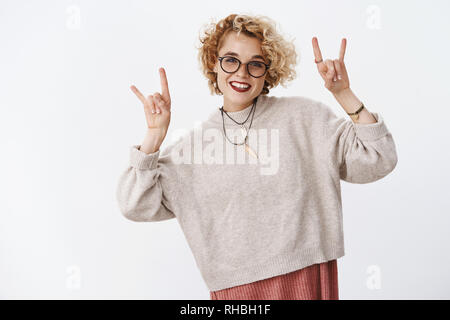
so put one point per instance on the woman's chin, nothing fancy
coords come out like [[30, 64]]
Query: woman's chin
[[239, 96]]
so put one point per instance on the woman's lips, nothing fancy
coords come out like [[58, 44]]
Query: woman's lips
[[240, 89]]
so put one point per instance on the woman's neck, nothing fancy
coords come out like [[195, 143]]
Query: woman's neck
[[230, 107]]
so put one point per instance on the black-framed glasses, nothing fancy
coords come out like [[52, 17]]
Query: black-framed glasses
[[255, 68]]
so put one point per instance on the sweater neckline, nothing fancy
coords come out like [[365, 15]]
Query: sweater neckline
[[240, 116]]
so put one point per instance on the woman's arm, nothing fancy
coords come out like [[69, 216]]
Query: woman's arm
[[140, 193], [350, 103], [362, 153]]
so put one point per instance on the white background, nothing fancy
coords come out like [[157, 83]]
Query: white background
[[68, 119]]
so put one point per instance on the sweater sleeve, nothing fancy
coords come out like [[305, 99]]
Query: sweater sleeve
[[363, 153], [141, 194]]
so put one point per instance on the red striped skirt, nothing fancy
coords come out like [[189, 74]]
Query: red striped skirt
[[315, 282]]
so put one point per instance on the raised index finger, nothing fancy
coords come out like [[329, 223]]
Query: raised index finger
[[138, 94], [317, 53], [164, 84], [342, 51]]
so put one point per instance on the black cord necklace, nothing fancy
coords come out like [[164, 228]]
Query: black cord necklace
[[252, 111], [254, 104], [241, 124]]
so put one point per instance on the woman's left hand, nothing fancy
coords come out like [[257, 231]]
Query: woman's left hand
[[333, 72]]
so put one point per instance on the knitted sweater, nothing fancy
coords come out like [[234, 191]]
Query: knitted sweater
[[246, 217]]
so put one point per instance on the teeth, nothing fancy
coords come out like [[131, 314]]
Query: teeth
[[239, 85]]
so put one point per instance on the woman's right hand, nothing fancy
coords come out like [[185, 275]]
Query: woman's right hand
[[157, 106]]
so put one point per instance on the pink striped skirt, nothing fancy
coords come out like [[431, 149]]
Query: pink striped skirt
[[315, 282]]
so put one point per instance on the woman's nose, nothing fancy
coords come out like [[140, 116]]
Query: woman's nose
[[242, 71]]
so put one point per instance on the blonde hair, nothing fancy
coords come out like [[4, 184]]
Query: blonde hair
[[280, 53]]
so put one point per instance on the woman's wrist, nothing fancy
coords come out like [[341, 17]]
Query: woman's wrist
[[153, 140], [348, 100]]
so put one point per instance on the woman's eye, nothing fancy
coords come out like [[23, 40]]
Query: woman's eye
[[257, 64], [230, 60]]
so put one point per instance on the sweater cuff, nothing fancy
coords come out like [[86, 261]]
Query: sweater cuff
[[141, 160], [371, 131]]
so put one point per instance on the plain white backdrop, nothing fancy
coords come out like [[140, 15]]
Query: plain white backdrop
[[68, 119]]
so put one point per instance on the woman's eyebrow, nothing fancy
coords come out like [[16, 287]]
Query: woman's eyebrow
[[257, 56]]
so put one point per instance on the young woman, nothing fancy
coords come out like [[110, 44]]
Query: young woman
[[267, 225]]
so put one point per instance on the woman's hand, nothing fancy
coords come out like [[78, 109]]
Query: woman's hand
[[157, 106], [333, 72]]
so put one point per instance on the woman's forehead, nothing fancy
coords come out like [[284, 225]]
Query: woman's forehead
[[242, 46], [235, 54]]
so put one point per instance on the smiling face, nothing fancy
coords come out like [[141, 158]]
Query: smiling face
[[246, 49]]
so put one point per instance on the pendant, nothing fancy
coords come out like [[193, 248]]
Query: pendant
[[247, 147], [250, 151], [244, 131]]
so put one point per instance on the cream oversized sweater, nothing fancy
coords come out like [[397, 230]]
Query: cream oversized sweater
[[249, 218]]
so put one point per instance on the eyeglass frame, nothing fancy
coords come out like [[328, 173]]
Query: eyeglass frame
[[246, 64]]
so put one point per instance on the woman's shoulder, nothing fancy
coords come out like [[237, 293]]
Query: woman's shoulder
[[299, 105]]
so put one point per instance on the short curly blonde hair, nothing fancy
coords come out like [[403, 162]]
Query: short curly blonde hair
[[280, 53]]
